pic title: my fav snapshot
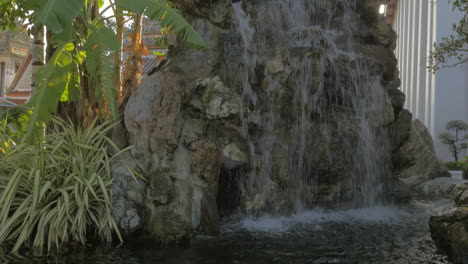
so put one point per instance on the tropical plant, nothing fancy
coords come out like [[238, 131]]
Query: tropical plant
[[83, 67], [58, 190], [13, 126], [12, 14], [454, 46], [455, 137]]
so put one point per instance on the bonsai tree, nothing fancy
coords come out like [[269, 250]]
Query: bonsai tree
[[455, 137]]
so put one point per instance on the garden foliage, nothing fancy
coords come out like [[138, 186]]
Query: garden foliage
[[58, 190]]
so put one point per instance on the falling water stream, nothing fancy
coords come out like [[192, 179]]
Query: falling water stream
[[329, 86]]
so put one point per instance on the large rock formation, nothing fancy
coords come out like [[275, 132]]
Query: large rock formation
[[415, 164], [294, 104]]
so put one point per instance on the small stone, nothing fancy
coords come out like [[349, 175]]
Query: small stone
[[234, 157], [219, 100], [274, 65]]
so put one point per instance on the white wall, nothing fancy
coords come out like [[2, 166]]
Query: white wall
[[9, 73], [434, 99]]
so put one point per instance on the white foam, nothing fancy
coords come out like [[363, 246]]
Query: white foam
[[316, 217]]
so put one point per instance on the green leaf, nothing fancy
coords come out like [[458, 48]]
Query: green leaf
[[52, 81], [57, 14], [100, 46], [137, 6]]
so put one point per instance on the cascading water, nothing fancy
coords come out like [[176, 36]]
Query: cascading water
[[316, 101]]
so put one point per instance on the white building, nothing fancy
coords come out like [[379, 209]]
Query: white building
[[437, 98], [15, 68]]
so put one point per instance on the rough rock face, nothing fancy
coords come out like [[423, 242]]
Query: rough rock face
[[128, 195], [450, 233], [415, 161], [255, 123], [181, 163], [416, 157]]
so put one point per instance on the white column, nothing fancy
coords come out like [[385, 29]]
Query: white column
[[433, 77], [405, 34], [396, 26], [423, 71], [429, 21], [400, 37], [410, 65], [416, 62]]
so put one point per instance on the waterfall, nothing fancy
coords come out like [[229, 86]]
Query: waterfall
[[316, 101]]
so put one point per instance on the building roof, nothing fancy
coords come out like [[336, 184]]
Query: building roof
[[6, 103], [151, 30], [15, 42], [19, 97]]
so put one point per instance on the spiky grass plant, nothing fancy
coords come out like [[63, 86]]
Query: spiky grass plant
[[59, 190]]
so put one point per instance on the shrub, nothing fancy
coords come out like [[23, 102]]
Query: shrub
[[13, 126], [452, 165], [14, 122], [58, 190]]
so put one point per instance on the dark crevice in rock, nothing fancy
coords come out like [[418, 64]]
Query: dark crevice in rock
[[229, 195]]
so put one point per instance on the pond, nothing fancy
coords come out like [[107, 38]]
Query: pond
[[387, 234]]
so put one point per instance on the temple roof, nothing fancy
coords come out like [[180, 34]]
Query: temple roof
[[15, 42], [151, 30]]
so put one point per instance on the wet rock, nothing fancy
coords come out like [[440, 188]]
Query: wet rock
[[419, 173], [397, 98], [307, 113], [128, 193], [384, 115], [219, 100], [384, 34], [162, 189], [205, 164], [217, 12], [274, 65], [443, 187], [181, 165], [417, 158], [450, 233], [400, 131], [460, 195], [382, 56], [153, 114], [234, 157]]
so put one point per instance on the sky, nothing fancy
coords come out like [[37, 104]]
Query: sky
[[108, 12]]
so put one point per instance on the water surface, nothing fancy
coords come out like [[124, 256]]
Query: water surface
[[371, 235]]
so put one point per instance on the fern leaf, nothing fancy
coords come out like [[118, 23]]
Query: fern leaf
[[101, 45]]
